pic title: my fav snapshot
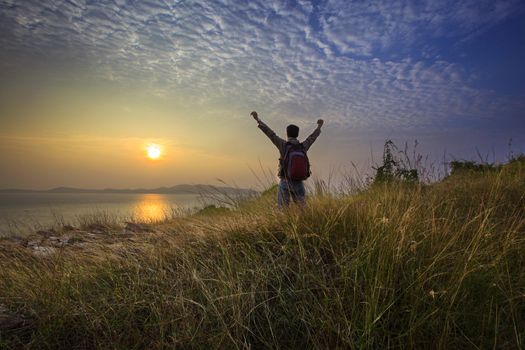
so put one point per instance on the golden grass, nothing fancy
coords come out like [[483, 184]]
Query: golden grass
[[395, 266]]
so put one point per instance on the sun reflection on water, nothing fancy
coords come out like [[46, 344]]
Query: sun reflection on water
[[152, 207]]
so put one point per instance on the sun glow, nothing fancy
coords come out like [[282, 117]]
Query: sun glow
[[152, 207], [153, 151]]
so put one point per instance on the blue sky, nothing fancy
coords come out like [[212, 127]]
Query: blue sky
[[449, 73]]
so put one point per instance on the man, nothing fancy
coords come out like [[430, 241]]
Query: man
[[289, 187]]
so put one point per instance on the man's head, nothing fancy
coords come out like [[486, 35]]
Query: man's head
[[292, 130]]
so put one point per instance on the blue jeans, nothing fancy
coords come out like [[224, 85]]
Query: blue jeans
[[287, 189]]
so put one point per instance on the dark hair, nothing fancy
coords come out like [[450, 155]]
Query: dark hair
[[292, 130]]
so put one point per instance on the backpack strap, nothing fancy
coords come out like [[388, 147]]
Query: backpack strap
[[282, 166], [288, 146]]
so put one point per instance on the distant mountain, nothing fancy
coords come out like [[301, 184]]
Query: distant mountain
[[177, 189]]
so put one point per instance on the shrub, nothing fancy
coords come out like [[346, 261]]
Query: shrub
[[393, 169]]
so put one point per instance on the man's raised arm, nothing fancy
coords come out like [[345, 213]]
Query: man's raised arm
[[276, 140], [311, 139]]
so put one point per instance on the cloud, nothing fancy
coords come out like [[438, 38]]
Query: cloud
[[365, 28], [289, 59]]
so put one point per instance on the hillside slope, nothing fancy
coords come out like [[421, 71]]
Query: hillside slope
[[397, 265]]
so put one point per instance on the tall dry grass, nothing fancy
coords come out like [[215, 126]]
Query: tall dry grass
[[394, 266]]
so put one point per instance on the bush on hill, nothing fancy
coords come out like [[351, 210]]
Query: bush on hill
[[393, 168]]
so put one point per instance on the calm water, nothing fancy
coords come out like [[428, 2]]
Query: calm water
[[23, 212]]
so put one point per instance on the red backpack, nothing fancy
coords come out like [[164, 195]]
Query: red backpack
[[295, 165]]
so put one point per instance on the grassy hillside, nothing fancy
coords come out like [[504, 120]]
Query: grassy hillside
[[397, 265]]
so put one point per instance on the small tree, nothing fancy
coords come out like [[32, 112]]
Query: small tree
[[393, 169]]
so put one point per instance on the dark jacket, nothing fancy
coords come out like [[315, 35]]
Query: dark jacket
[[281, 144]]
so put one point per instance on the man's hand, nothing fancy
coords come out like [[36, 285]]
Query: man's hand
[[320, 123], [254, 115]]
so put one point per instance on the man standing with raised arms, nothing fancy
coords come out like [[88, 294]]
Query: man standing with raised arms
[[294, 166]]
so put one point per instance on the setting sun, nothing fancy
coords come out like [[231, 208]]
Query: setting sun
[[153, 151]]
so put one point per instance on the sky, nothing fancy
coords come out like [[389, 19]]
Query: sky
[[85, 86]]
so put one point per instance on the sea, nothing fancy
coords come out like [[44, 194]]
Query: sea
[[25, 212]]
